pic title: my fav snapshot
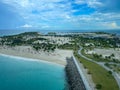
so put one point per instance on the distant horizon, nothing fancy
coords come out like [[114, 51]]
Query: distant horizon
[[57, 30], [13, 32]]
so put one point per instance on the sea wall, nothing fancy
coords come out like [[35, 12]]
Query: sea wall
[[73, 77]]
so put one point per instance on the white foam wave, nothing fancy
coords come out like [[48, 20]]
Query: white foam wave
[[29, 59]]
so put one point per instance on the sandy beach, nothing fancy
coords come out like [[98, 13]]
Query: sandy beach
[[58, 56]]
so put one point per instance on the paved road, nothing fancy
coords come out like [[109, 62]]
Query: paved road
[[116, 76]]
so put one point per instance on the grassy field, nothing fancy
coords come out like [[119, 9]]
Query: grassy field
[[99, 75]]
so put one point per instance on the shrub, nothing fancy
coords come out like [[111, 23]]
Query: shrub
[[110, 72], [98, 86], [89, 72], [85, 67]]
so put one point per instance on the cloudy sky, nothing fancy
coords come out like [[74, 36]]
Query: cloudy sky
[[60, 14]]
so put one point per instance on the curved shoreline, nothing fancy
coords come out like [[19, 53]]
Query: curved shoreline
[[57, 57], [30, 59]]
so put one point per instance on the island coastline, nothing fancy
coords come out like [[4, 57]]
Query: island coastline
[[36, 56]]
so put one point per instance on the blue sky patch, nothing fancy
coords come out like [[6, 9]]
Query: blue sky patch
[[60, 14]]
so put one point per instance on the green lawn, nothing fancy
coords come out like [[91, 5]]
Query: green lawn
[[99, 75]]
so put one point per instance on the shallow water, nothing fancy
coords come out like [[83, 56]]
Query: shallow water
[[17, 74]]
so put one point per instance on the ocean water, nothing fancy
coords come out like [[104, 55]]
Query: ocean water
[[18, 74], [13, 32]]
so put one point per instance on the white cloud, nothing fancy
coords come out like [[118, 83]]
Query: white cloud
[[45, 26], [94, 3], [90, 3], [26, 8], [80, 1], [111, 25], [114, 25], [26, 26], [51, 13]]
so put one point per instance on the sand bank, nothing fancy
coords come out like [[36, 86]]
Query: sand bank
[[58, 56]]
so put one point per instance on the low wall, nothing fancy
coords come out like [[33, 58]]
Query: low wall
[[73, 77]]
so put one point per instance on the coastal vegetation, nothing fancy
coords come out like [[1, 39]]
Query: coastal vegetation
[[35, 40], [100, 58], [114, 67], [66, 46], [51, 34], [44, 46], [97, 40], [101, 77]]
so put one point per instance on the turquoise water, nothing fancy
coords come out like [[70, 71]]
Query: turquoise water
[[16, 74]]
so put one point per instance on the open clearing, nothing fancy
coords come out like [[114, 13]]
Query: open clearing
[[106, 52]]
